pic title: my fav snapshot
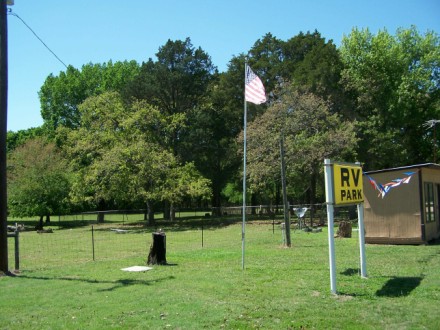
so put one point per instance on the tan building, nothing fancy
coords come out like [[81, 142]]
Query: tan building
[[402, 204]]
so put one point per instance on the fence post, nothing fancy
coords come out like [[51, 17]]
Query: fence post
[[93, 244], [17, 251]]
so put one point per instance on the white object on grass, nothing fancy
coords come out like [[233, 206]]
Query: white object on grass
[[136, 269]]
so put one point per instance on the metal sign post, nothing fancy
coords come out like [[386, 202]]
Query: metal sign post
[[344, 186], [330, 211], [361, 227]]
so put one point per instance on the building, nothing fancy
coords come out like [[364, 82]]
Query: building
[[401, 205]]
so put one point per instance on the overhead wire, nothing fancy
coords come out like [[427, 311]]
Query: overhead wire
[[10, 12]]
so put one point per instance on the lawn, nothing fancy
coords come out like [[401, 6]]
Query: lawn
[[61, 287]]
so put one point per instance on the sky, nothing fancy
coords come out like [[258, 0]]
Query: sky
[[96, 31]]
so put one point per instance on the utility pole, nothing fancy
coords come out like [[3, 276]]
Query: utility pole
[[3, 133], [283, 184]]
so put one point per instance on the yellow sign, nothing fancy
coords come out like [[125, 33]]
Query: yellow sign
[[347, 184]]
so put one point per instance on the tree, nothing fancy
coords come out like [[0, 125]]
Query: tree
[[310, 133], [16, 139], [211, 138], [183, 180], [61, 95], [174, 84], [394, 84], [307, 61], [317, 68], [118, 156], [39, 180], [267, 58]]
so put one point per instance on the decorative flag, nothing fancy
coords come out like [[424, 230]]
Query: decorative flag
[[254, 88], [385, 188]]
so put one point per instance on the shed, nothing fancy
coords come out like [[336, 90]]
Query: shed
[[401, 205]]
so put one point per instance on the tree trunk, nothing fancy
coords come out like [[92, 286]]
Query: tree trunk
[[158, 251], [172, 212], [101, 207], [166, 210], [40, 224], [216, 202], [100, 217], [48, 219], [150, 213]]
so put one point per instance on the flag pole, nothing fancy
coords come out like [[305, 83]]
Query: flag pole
[[244, 174]]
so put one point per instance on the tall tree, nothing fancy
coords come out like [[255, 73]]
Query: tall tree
[[394, 82], [61, 95], [313, 65], [175, 84], [210, 142]]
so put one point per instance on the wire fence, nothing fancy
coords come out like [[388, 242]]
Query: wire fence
[[64, 247], [79, 239]]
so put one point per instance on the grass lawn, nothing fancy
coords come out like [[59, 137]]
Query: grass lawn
[[206, 288]]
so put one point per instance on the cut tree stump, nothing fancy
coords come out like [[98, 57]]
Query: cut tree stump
[[158, 250], [344, 229]]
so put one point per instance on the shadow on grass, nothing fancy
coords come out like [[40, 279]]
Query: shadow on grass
[[399, 286], [116, 284], [351, 271], [394, 287]]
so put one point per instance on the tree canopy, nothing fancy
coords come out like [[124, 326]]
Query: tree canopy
[[394, 84], [118, 158], [61, 95], [165, 131], [39, 183], [310, 133]]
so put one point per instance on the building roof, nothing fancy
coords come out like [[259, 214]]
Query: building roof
[[426, 165]]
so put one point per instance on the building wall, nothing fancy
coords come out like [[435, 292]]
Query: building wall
[[395, 218]]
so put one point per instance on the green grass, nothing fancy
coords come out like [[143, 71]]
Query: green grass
[[206, 288]]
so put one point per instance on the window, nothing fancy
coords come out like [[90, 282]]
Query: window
[[429, 202]]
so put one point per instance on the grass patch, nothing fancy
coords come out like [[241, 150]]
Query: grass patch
[[205, 287]]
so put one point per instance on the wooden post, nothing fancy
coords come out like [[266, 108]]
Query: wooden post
[[17, 251], [285, 202], [3, 132], [158, 251]]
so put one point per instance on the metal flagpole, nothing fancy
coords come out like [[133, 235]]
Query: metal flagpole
[[244, 174]]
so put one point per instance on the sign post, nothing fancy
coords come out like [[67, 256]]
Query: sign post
[[343, 187], [362, 240], [330, 211]]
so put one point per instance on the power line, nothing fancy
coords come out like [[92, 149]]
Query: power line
[[14, 14]]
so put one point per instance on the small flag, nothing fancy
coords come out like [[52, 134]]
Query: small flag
[[385, 188], [254, 88]]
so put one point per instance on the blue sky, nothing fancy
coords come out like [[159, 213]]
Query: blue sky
[[80, 32]]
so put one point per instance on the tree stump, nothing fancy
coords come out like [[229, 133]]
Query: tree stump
[[344, 229], [158, 251]]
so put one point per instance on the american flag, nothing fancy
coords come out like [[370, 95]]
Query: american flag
[[254, 89]]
